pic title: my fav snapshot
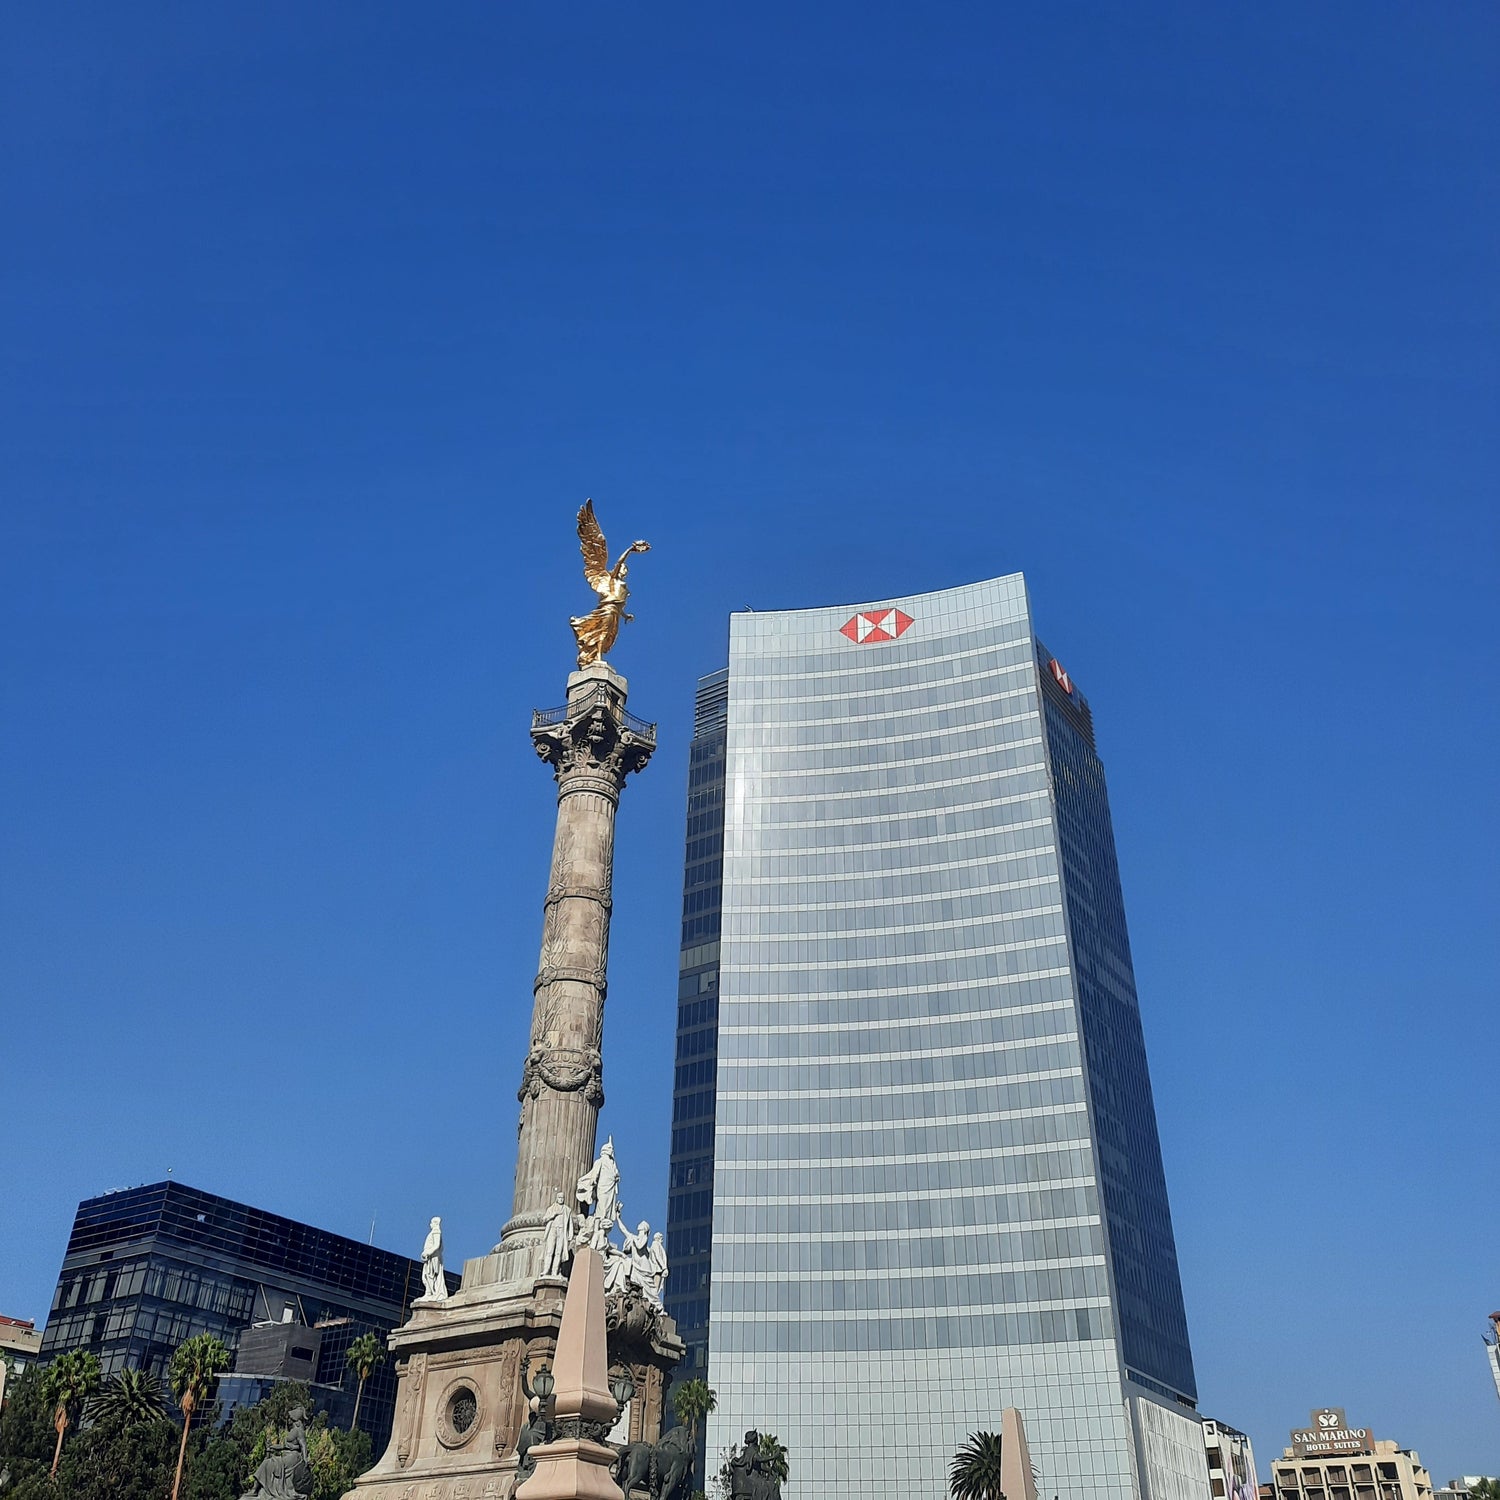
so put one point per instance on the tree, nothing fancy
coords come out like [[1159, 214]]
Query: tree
[[691, 1402], [26, 1432], [1485, 1489], [975, 1471], [117, 1459], [366, 1354], [774, 1455], [196, 1367], [67, 1383], [133, 1398], [336, 1459]]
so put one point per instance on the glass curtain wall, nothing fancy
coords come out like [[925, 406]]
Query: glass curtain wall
[[690, 1189]]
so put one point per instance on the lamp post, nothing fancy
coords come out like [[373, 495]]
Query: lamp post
[[622, 1387]]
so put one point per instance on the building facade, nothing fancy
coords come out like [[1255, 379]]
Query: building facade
[[1231, 1462], [914, 1137], [1330, 1460], [20, 1344], [690, 1189], [148, 1267]]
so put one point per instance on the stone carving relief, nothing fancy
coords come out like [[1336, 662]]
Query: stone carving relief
[[411, 1406], [562, 856], [565, 1070], [508, 1421]]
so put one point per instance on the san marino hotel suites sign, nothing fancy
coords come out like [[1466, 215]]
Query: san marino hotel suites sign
[[1329, 1435]]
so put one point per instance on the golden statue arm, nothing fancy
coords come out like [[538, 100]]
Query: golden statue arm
[[633, 547]]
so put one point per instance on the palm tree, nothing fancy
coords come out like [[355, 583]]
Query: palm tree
[[975, 1472], [66, 1384], [774, 1455], [691, 1402], [133, 1398], [196, 1367], [365, 1355]]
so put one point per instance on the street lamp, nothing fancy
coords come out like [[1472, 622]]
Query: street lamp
[[622, 1387], [543, 1383]]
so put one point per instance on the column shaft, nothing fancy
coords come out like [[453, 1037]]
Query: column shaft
[[592, 745]]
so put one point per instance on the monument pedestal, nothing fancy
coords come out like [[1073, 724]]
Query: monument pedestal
[[460, 1405]]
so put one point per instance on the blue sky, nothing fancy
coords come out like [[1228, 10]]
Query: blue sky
[[318, 323]]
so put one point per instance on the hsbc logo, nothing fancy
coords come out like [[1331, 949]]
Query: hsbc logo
[[876, 625], [1063, 680]]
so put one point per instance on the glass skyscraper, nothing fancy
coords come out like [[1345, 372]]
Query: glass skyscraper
[[915, 1172]]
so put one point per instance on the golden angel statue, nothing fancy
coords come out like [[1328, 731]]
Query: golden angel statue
[[597, 630]]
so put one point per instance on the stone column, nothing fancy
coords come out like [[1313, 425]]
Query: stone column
[[592, 744]]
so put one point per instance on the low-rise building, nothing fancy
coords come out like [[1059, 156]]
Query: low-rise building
[[148, 1267], [1330, 1460], [1231, 1462], [20, 1343]]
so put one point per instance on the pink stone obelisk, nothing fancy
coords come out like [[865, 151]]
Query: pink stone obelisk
[[576, 1465], [1017, 1482]]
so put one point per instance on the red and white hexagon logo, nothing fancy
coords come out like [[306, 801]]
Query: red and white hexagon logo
[[877, 625]]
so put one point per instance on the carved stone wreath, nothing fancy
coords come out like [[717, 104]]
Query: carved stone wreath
[[564, 1071], [459, 1410]]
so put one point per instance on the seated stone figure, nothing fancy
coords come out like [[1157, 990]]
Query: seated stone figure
[[284, 1474]]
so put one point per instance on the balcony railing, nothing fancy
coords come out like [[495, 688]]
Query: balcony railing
[[545, 718]]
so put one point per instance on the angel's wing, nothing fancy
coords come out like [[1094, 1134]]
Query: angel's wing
[[595, 548]]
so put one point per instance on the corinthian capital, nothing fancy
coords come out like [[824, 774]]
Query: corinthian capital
[[593, 735]]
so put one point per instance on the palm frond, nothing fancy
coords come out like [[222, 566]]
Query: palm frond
[[132, 1397], [975, 1471]]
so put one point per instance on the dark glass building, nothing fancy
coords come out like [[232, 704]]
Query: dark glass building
[[915, 1165], [148, 1267], [690, 1196]]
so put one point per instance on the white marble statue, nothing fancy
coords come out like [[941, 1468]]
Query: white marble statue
[[593, 1234], [557, 1237], [434, 1283], [599, 1187], [616, 1269], [657, 1276], [634, 1247]]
